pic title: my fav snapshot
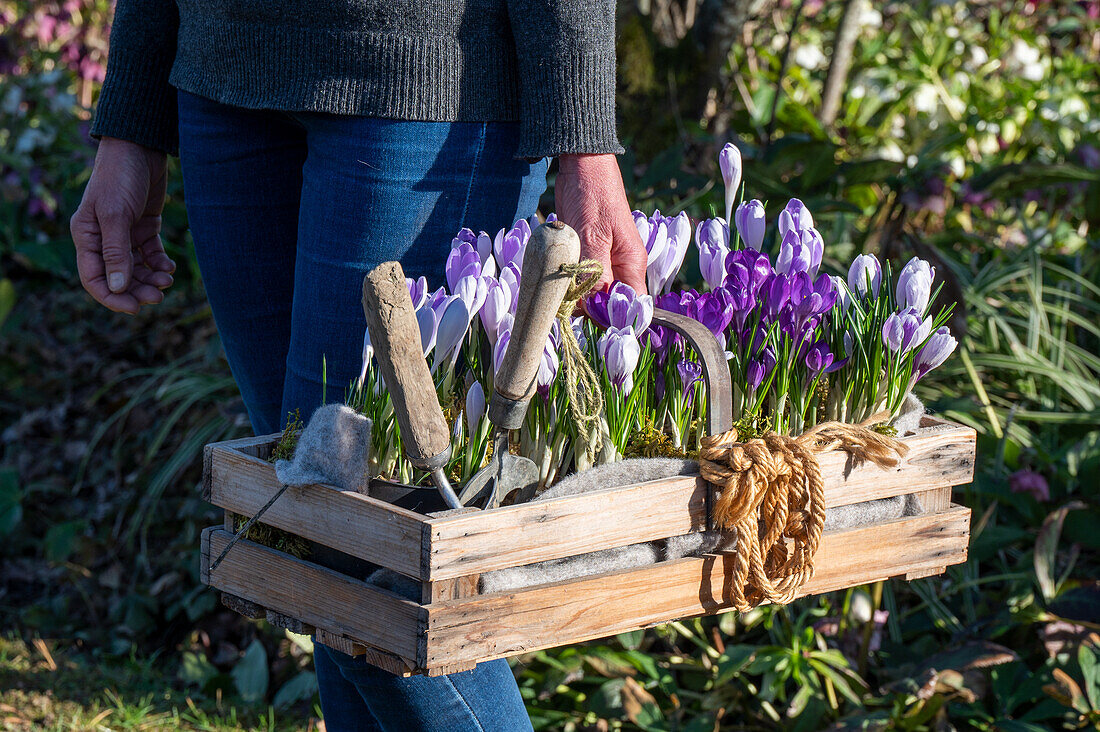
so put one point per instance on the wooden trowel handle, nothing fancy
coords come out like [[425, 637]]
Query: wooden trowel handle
[[542, 288], [395, 336]]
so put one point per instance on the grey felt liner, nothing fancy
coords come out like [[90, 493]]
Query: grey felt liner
[[334, 449]]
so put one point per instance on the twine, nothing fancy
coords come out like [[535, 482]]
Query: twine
[[582, 386], [771, 493]]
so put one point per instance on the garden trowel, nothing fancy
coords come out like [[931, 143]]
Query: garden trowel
[[542, 287], [395, 336]]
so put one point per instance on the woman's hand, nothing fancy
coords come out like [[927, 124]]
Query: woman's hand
[[116, 228], [590, 197]]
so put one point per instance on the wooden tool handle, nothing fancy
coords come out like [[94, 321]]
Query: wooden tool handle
[[542, 288], [395, 336]]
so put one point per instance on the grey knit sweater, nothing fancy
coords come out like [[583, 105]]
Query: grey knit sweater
[[550, 64]]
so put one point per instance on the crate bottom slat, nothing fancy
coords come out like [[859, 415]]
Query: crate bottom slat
[[510, 623], [454, 634]]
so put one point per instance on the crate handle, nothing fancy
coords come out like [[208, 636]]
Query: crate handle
[[716, 372]]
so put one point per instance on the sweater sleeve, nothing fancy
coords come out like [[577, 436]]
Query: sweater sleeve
[[136, 102], [566, 54]]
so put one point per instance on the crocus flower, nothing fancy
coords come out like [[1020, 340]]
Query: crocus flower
[[509, 275], [451, 332], [475, 407], [935, 351], [509, 245], [865, 276], [418, 291], [819, 357], [498, 303], [666, 240], [775, 292], [844, 295], [793, 255], [901, 329], [712, 236], [620, 307], [462, 261], [915, 285], [747, 269], [714, 313], [473, 290], [548, 369], [795, 216], [691, 374], [750, 223], [812, 241], [729, 162], [754, 374], [620, 350], [485, 254], [368, 354], [427, 321], [499, 348]]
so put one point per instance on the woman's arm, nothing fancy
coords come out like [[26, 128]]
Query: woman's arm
[[566, 53], [137, 103]]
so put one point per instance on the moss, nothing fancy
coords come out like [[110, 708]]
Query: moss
[[649, 442], [277, 539], [885, 429], [284, 448], [751, 427]]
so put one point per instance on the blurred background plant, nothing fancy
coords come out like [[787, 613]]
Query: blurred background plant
[[962, 132]]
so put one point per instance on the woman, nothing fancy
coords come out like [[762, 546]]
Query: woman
[[317, 140]]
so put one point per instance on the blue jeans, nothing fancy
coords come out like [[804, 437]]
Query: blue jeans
[[288, 212]]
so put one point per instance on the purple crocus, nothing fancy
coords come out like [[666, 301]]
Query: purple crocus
[[901, 329], [427, 321], [712, 236], [451, 332], [713, 312], [935, 351], [509, 245], [754, 375], [666, 240], [473, 290], [498, 304], [915, 285], [368, 354], [865, 276], [795, 216], [819, 357], [485, 254], [729, 162], [548, 369], [775, 293], [844, 295], [475, 407], [462, 261], [691, 374], [750, 223], [418, 291], [620, 350], [793, 256], [620, 307]]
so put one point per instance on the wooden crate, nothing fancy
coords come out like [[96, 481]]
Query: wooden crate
[[453, 627]]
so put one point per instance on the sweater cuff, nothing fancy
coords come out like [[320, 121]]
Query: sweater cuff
[[567, 105], [138, 104]]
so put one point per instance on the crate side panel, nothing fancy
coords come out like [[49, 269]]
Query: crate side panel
[[350, 522], [504, 624], [313, 594], [562, 527]]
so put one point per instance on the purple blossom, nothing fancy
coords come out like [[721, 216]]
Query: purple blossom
[[712, 236], [713, 312], [901, 330], [509, 245], [915, 285], [747, 269], [691, 374], [754, 374], [819, 357], [793, 256], [729, 162], [666, 241], [485, 254], [865, 276], [844, 295], [418, 291], [620, 307], [475, 407], [548, 369], [934, 352], [795, 216], [751, 223], [498, 304], [473, 290], [451, 331], [462, 261], [427, 322], [620, 350]]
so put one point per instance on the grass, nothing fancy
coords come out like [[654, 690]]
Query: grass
[[48, 686]]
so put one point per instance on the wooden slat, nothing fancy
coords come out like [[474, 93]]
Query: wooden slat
[[385, 661], [351, 522], [561, 527], [504, 624], [312, 594]]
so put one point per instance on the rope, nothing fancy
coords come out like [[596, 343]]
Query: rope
[[247, 525], [771, 493], [582, 386]]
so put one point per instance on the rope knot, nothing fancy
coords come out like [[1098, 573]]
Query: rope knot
[[770, 492]]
